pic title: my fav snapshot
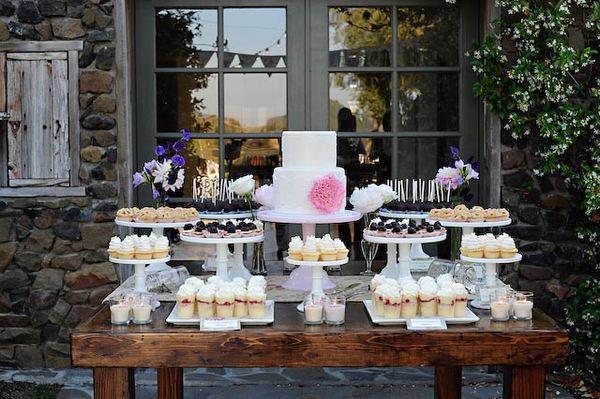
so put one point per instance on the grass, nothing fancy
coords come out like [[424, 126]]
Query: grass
[[23, 390]]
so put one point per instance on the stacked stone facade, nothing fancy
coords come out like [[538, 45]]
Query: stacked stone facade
[[54, 269]]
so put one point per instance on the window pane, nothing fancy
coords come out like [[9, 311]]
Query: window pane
[[420, 158], [254, 37], [359, 36], [428, 36], [359, 102], [187, 101], [428, 101], [366, 160], [257, 157], [255, 102], [186, 38]]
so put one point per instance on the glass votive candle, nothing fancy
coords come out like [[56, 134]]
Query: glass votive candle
[[313, 309], [500, 307], [523, 305], [120, 310], [142, 309], [335, 308]]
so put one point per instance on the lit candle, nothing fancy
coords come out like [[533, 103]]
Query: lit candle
[[500, 310], [335, 313], [523, 309], [141, 313], [313, 313], [119, 313]]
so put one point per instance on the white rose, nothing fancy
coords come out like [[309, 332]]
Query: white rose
[[243, 185], [366, 200], [386, 192]]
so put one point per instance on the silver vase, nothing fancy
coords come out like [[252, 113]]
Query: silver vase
[[369, 251]]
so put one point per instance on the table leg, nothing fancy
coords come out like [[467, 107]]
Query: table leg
[[448, 382], [170, 383], [524, 382], [114, 383]]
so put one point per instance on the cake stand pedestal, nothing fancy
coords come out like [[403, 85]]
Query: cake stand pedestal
[[317, 273], [416, 250], [158, 228], [401, 268], [301, 277], [140, 269], [491, 271], [238, 269]]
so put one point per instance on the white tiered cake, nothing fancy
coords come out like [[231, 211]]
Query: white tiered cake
[[309, 158]]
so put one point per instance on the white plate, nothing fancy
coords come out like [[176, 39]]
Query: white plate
[[344, 216], [154, 225], [138, 261], [403, 215], [408, 240], [514, 259], [470, 317], [316, 263], [237, 240], [221, 215], [268, 319], [472, 224]]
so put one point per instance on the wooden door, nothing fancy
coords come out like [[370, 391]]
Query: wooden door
[[37, 90]]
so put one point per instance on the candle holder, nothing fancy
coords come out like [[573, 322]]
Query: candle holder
[[313, 309], [499, 306], [335, 308], [141, 308], [120, 309], [523, 305]]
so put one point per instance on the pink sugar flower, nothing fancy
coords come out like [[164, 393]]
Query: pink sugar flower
[[327, 194]]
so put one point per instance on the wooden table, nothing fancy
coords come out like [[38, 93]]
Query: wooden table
[[524, 348]]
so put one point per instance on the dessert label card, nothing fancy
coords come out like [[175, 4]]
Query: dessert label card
[[426, 323], [217, 324]]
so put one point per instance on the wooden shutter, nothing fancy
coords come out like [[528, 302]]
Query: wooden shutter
[[37, 90]]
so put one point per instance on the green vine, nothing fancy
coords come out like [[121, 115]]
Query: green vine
[[539, 72]]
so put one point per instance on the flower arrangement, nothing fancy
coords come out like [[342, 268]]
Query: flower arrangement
[[244, 187], [458, 174], [369, 199], [264, 196], [165, 173], [327, 194]]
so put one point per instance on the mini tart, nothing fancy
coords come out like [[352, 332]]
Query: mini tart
[[164, 215], [125, 215], [146, 215], [476, 216]]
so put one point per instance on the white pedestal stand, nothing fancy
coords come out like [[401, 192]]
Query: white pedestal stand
[[140, 269], [402, 268], [416, 250], [491, 270], [469, 227], [298, 277], [238, 269]]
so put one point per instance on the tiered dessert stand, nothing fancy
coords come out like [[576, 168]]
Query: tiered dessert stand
[[469, 227], [140, 269], [310, 276], [491, 267], [400, 268], [238, 269], [420, 259]]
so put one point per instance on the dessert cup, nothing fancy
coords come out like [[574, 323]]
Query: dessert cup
[[378, 304], [460, 305], [409, 306], [446, 306], [256, 303], [240, 305], [427, 305], [392, 307], [225, 309], [186, 305]]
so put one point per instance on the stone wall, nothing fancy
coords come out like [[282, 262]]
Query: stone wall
[[553, 259], [53, 263]]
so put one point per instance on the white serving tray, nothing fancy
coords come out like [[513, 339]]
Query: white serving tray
[[120, 261], [245, 321], [403, 215], [516, 258], [154, 225], [223, 240], [446, 223], [223, 215], [470, 317]]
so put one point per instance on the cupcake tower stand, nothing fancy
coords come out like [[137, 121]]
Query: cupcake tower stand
[[490, 266], [154, 265], [310, 276], [401, 268], [238, 270], [416, 250]]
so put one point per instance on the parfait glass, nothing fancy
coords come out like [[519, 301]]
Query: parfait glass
[[369, 251]]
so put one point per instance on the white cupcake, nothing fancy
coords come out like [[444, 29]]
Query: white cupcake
[[257, 300], [186, 301]]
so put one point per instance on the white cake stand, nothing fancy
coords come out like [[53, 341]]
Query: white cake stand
[[309, 224], [238, 269], [416, 250], [140, 269], [220, 216], [469, 227], [401, 267], [317, 274], [491, 269]]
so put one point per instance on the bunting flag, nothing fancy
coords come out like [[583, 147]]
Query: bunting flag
[[270, 61], [247, 60], [202, 58], [228, 58]]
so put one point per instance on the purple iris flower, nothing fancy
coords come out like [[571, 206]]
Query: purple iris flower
[[159, 150], [179, 145], [155, 193], [178, 160], [455, 152], [149, 166], [475, 166], [137, 179], [185, 135]]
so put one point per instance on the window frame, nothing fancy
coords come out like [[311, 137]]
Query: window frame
[[72, 48]]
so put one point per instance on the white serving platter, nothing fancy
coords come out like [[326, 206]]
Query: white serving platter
[[154, 225], [245, 321], [315, 263], [223, 215], [516, 258], [470, 317], [224, 240], [120, 261], [445, 223], [402, 240], [403, 215]]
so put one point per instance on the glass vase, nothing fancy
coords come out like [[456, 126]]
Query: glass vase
[[455, 240], [259, 267], [369, 251]]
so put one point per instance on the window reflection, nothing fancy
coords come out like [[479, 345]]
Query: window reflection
[[254, 37], [428, 36], [186, 38], [187, 101], [420, 158], [366, 160], [366, 95], [255, 102], [257, 157], [359, 36], [428, 101]]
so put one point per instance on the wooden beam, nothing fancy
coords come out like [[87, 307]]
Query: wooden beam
[[37, 56], [74, 124], [30, 46], [50, 182], [3, 124], [42, 192]]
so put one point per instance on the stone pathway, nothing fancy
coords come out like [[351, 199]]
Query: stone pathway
[[283, 383]]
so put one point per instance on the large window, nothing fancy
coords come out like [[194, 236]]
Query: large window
[[390, 77]]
